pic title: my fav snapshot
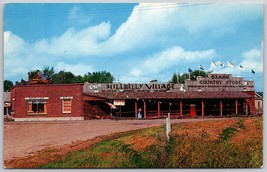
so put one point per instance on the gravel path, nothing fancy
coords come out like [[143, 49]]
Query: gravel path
[[24, 138]]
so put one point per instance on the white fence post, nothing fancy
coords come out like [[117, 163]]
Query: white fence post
[[168, 127]]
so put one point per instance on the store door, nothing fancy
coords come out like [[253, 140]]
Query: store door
[[193, 112]]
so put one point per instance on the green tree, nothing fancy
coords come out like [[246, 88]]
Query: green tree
[[100, 77], [193, 76], [32, 74], [7, 85], [79, 79], [63, 77], [48, 72]]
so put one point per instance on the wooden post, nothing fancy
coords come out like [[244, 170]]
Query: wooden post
[[181, 108], [144, 109], [202, 108], [221, 106], [246, 108], [167, 129], [158, 108], [135, 109], [250, 104], [168, 126], [236, 106]]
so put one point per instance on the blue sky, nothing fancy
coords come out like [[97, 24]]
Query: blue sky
[[135, 42]]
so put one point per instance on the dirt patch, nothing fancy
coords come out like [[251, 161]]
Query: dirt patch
[[140, 142], [211, 129], [253, 129]]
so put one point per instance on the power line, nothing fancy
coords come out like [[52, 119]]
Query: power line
[[107, 10]]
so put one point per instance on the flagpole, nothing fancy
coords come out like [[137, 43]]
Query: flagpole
[[189, 76], [189, 73]]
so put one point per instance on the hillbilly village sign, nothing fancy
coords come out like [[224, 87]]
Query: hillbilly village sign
[[216, 80]]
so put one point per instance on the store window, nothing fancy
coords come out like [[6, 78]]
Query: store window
[[36, 106], [66, 104]]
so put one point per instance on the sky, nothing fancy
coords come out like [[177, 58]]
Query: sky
[[134, 42]]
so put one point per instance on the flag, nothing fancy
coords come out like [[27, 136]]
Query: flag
[[221, 64], [201, 67], [213, 64], [241, 67], [230, 64], [190, 70], [252, 71]]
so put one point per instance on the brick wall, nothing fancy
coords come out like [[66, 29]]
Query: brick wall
[[54, 103]]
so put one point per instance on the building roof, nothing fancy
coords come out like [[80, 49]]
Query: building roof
[[168, 95], [7, 97]]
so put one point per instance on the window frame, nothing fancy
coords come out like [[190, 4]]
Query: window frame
[[64, 101], [37, 101]]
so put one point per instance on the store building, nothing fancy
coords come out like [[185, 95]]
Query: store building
[[217, 95]]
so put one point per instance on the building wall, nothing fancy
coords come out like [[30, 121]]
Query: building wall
[[53, 93]]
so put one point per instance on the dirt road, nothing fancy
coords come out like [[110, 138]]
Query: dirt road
[[24, 138]]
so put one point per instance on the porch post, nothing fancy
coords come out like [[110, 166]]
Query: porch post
[[181, 108], [236, 106], [135, 109], [246, 108], [250, 104], [221, 105], [144, 109], [202, 108], [158, 108]]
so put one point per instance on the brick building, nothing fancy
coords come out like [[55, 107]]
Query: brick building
[[47, 102]]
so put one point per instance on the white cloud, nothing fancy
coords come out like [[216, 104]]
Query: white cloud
[[13, 44], [150, 24], [76, 69], [167, 59], [253, 60], [75, 43], [76, 15]]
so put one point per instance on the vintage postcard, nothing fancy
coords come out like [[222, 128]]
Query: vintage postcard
[[133, 85]]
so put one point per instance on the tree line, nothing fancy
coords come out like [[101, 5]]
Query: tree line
[[67, 77], [64, 77]]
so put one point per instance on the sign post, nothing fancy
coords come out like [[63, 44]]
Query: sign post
[[168, 127]]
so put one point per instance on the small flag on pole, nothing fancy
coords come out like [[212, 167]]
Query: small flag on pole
[[241, 67], [230, 64], [213, 64], [221, 64], [252, 71], [190, 70], [201, 67]]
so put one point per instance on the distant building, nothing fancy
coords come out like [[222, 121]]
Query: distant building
[[7, 103], [216, 95], [258, 101]]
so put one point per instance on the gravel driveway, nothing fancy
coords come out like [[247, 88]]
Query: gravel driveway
[[24, 138]]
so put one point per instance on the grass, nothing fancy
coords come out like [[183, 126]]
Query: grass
[[148, 148]]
